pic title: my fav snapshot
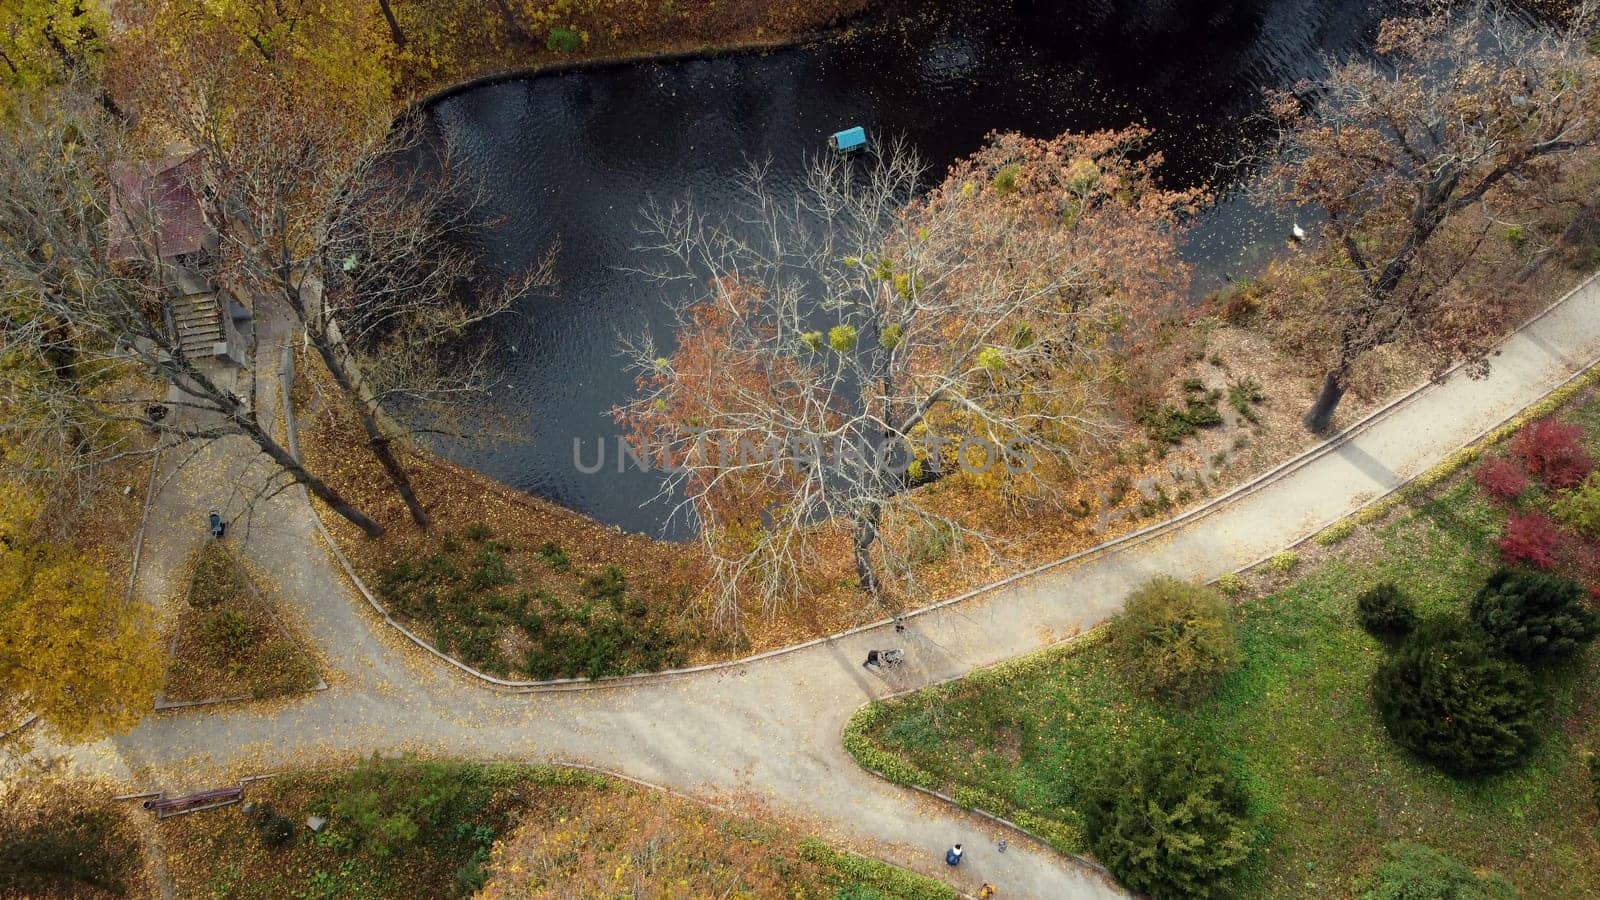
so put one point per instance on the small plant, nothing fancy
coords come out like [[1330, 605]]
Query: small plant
[[553, 556], [929, 542], [1169, 820], [1243, 395], [1553, 452], [1005, 180], [842, 338], [1535, 617], [1119, 490], [1580, 508], [1500, 479], [563, 40], [1337, 532], [231, 631], [1238, 303], [1283, 563], [1386, 612], [1231, 584], [1174, 639], [1531, 539], [1414, 872], [478, 532], [1445, 696]]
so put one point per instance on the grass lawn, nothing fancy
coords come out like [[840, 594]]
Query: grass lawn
[[1329, 788], [229, 642], [410, 828]]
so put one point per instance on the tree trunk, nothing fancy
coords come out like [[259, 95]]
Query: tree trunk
[[1333, 387], [377, 441], [395, 34], [283, 458], [866, 534]]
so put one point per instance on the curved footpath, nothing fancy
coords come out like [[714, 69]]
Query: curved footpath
[[765, 734]]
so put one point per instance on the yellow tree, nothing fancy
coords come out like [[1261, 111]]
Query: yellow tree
[[46, 41], [72, 649]]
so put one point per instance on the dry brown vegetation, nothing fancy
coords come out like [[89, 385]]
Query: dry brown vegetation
[[422, 828], [228, 641], [457, 40]]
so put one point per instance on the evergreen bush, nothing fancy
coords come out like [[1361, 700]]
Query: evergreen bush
[[1386, 612], [1535, 617], [1169, 821], [1175, 639], [1445, 696]]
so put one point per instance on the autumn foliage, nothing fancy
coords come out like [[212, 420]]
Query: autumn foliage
[[1553, 452], [72, 649], [1532, 539], [1501, 479]]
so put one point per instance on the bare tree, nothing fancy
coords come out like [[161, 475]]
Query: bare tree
[[371, 257], [1415, 158], [69, 291], [839, 347]]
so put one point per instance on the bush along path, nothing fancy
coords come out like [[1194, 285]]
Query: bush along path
[[769, 731]]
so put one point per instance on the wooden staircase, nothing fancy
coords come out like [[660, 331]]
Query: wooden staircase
[[199, 322]]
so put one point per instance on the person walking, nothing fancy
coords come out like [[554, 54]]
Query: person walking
[[987, 891], [952, 857], [872, 659]]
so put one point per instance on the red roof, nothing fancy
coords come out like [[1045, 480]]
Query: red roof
[[161, 195]]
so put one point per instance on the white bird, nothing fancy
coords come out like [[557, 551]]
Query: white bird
[[1296, 233]]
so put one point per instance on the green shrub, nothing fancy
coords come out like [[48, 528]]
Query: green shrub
[[1446, 697], [1169, 821], [1337, 532], [563, 40], [386, 806], [1231, 584], [553, 556], [1579, 509], [1243, 395], [1535, 617], [230, 631], [478, 532], [1283, 563], [1386, 612], [1175, 639], [1414, 872]]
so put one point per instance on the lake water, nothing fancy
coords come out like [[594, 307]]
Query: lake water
[[571, 158]]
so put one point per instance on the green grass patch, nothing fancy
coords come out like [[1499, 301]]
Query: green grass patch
[[539, 621], [1329, 789]]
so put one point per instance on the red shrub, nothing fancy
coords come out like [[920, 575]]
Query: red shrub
[[1501, 480], [1533, 539], [1553, 452]]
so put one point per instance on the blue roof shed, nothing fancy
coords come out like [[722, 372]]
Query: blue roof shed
[[849, 139]]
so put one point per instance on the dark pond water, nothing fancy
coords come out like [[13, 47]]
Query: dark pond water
[[571, 159]]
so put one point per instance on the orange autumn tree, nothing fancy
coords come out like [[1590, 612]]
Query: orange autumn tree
[[843, 345], [1419, 159]]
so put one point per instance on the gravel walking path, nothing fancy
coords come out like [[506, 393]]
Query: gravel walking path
[[765, 735]]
